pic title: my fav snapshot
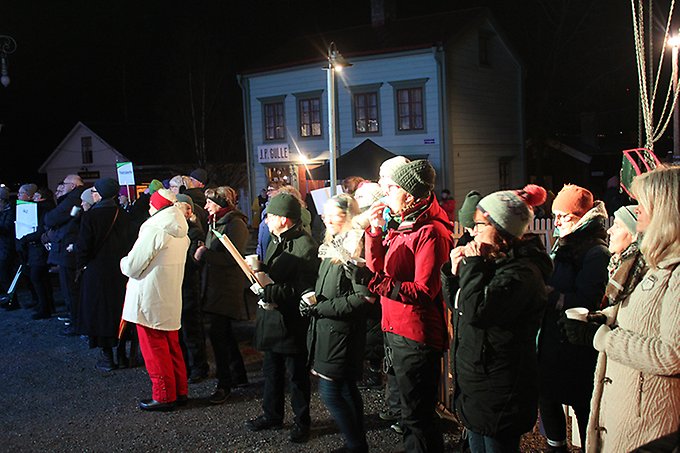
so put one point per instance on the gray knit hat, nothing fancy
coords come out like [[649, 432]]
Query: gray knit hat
[[466, 213], [86, 196], [185, 199], [626, 214], [285, 205], [416, 178], [510, 210]]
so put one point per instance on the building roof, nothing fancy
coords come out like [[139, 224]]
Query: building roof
[[397, 35]]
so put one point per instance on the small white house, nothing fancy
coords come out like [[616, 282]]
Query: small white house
[[447, 87], [82, 152]]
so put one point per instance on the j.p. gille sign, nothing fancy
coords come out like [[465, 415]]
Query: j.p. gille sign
[[278, 152]]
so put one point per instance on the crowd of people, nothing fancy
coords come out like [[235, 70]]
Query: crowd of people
[[592, 323]]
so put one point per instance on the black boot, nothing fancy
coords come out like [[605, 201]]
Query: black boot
[[121, 356], [105, 362]]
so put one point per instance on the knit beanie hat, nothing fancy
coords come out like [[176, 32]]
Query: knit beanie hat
[[573, 199], [154, 185], [184, 198], [626, 214], [285, 205], [107, 187], [510, 210], [416, 178], [368, 193], [86, 196], [391, 164], [466, 212], [162, 198], [199, 175]]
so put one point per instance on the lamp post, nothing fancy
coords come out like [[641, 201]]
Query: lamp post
[[674, 42], [7, 46], [335, 63]]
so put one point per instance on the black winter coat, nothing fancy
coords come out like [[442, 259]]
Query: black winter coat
[[337, 336], [223, 280], [30, 247], [191, 285], [496, 319], [7, 232], [580, 260], [292, 263], [64, 228], [102, 289]]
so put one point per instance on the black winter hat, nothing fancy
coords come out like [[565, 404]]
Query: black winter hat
[[416, 177], [199, 175], [107, 187], [285, 205]]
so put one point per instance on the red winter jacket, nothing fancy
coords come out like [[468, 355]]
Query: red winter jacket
[[407, 265]]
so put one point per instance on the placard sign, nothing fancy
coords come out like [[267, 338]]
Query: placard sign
[[320, 196], [126, 176], [27, 218], [273, 153]]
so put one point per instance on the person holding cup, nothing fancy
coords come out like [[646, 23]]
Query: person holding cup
[[637, 390], [337, 312], [497, 312]]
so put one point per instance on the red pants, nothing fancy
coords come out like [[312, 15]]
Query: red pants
[[164, 363]]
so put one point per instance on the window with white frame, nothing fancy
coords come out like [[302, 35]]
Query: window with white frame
[[273, 118], [409, 99], [309, 114]]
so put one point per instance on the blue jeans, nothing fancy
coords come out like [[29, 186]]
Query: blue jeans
[[486, 444], [343, 400]]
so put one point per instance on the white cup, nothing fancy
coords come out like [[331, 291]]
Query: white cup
[[253, 262], [578, 313], [309, 298]]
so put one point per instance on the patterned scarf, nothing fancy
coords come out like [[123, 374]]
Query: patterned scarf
[[625, 272]]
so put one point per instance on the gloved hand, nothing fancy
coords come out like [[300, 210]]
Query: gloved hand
[[268, 294], [360, 275], [307, 309], [597, 317], [578, 332]]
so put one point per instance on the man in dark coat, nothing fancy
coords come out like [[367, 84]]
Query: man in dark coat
[[105, 238], [63, 225], [7, 246], [292, 263]]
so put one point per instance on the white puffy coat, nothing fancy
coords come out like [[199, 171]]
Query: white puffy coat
[[637, 381], [155, 267]]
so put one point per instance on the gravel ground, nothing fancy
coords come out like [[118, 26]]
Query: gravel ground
[[55, 400]]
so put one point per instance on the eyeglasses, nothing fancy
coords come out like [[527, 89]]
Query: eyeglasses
[[564, 217], [479, 225], [93, 190]]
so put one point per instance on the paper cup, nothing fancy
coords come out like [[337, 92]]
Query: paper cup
[[578, 313], [309, 298], [253, 262]]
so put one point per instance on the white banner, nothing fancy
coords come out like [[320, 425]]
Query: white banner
[[126, 175], [27, 218]]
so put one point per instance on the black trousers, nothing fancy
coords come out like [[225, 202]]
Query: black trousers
[[228, 359], [275, 368], [70, 291], [417, 368], [40, 279], [193, 333], [554, 420]]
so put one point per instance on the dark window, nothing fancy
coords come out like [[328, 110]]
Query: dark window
[[274, 127], [366, 113], [484, 41], [310, 117], [410, 109], [86, 149]]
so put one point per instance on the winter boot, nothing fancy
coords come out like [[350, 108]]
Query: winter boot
[[105, 362]]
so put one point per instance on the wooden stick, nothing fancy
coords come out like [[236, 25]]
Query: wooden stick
[[231, 248]]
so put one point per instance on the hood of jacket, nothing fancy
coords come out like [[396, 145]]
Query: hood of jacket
[[170, 220]]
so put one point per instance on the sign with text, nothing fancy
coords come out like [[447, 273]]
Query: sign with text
[[126, 176], [273, 153], [27, 218], [320, 196]]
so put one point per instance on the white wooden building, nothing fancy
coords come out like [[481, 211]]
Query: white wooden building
[[447, 87]]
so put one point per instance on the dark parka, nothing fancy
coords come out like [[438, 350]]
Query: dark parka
[[63, 228], [191, 285], [30, 247], [580, 260], [337, 335], [292, 263], [223, 280], [7, 234], [496, 318], [102, 288]]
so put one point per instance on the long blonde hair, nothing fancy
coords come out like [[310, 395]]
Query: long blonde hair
[[658, 191]]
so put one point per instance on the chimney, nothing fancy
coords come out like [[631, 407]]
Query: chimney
[[382, 12]]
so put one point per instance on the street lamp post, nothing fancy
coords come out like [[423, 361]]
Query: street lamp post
[[335, 63], [7, 46]]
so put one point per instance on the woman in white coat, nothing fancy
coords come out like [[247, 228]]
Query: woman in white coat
[[153, 301], [636, 398]]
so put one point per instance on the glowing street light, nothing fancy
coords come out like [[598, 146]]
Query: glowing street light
[[7, 46], [336, 62]]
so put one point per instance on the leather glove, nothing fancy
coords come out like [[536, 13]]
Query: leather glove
[[306, 309], [268, 294], [578, 332], [597, 317]]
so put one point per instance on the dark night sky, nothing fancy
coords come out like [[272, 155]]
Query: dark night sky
[[95, 61]]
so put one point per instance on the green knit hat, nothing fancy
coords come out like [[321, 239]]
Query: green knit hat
[[626, 214], [285, 205], [466, 213], [154, 185], [416, 178]]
